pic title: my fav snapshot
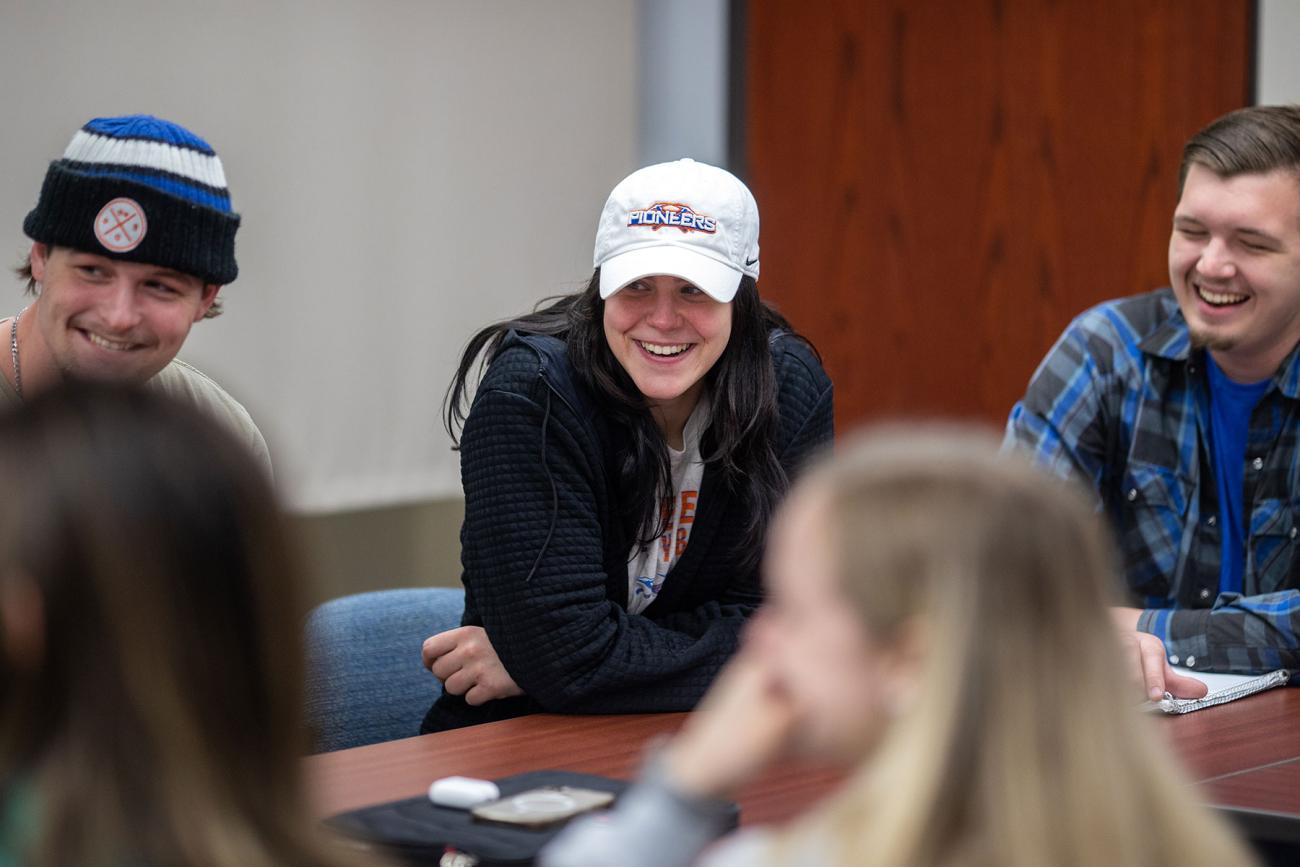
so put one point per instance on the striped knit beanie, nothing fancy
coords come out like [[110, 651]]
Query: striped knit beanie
[[141, 189]]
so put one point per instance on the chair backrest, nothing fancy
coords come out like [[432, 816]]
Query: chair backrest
[[366, 682]]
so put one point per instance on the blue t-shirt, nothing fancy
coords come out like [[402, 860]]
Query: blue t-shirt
[[1231, 404]]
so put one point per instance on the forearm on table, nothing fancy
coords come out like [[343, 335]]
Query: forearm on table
[[1241, 634], [621, 664]]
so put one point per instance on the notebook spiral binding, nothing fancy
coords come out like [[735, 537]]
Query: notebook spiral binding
[[1169, 704]]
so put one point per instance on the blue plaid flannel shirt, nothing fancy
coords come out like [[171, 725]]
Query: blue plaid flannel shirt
[[1121, 401]]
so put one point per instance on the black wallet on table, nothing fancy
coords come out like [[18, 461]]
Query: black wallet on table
[[417, 831]]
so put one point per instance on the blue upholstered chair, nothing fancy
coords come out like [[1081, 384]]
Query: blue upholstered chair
[[365, 679]]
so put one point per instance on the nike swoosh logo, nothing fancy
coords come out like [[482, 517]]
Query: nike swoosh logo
[[749, 262]]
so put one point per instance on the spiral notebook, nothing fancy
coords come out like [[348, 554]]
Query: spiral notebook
[[1224, 688]]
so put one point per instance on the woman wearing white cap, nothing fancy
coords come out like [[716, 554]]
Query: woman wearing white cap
[[621, 459]]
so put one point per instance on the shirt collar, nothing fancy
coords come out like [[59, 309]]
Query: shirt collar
[[1173, 342], [1287, 377]]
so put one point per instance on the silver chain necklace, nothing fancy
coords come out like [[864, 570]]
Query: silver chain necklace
[[13, 353]]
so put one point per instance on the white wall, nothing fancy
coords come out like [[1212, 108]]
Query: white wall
[[683, 80], [407, 170], [1277, 68]]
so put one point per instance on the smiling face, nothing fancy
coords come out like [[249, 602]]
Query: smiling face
[[667, 335], [105, 319], [1234, 264]]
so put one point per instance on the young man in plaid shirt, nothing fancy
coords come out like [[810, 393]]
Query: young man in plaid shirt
[[1181, 408]]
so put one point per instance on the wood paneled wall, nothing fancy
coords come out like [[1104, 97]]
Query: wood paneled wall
[[944, 185]]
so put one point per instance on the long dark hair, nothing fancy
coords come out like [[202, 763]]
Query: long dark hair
[[741, 438], [161, 721]]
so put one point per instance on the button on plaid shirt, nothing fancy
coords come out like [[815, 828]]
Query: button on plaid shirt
[[1122, 402]]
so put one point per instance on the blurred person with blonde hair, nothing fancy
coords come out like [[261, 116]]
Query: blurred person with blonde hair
[[150, 649], [937, 623]]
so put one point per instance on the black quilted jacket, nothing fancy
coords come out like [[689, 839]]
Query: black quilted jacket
[[545, 563]]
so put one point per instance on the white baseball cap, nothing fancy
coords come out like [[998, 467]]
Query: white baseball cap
[[683, 219]]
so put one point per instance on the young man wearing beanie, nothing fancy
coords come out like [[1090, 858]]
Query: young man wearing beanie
[[133, 235]]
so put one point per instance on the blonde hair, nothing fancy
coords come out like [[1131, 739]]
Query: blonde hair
[[1022, 745]]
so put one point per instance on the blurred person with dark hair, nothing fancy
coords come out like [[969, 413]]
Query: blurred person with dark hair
[[150, 649]]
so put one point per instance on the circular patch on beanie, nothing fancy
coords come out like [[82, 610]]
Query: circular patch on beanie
[[121, 225]]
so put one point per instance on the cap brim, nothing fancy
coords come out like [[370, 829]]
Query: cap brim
[[717, 280]]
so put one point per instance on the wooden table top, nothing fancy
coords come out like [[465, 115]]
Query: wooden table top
[[1245, 756], [1245, 734], [612, 746]]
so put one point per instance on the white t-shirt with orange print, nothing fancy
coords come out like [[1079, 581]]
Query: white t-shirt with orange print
[[649, 564]]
